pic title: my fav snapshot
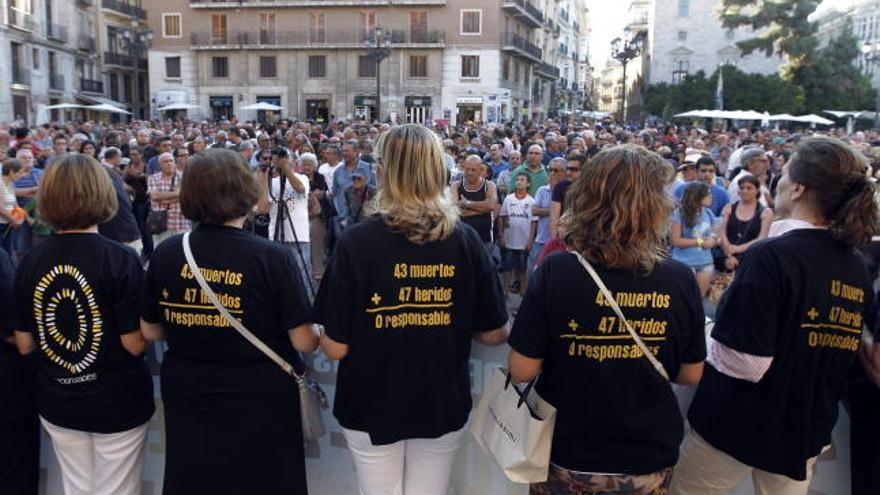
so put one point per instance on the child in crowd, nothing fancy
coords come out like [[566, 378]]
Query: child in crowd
[[516, 232]]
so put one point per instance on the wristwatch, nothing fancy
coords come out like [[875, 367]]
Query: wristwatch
[[700, 242]]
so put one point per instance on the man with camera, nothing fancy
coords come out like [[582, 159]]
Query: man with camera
[[289, 211]]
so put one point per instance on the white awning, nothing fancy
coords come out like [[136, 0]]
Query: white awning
[[100, 100]]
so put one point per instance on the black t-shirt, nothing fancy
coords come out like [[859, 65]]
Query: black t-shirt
[[256, 280], [615, 413], [801, 299], [123, 226], [77, 294], [17, 386], [559, 192], [408, 314]]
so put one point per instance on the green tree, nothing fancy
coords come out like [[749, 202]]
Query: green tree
[[826, 78], [784, 26], [742, 91], [832, 80], [759, 92]]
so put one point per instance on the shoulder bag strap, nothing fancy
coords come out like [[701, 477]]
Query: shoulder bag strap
[[613, 303], [253, 339]]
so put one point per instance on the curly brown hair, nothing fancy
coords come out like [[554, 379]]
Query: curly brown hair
[[616, 211]]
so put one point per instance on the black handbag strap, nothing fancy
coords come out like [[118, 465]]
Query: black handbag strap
[[523, 394]]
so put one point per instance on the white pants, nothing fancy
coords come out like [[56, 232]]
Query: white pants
[[409, 467], [99, 463], [704, 470]]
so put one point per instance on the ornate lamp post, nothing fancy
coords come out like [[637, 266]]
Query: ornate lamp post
[[378, 44], [623, 51], [136, 42]]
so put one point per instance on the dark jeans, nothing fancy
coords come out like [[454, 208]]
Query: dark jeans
[[863, 402], [141, 212], [20, 452], [6, 233]]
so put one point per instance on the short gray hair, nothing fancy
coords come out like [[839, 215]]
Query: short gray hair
[[559, 160], [749, 155], [309, 157]]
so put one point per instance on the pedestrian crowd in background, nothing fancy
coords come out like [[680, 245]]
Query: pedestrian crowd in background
[[391, 248]]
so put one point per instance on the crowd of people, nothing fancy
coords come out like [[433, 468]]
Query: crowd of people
[[392, 248]]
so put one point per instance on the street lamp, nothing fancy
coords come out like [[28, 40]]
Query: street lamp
[[623, 51], [378, 44], [871, 52], [135, 42]]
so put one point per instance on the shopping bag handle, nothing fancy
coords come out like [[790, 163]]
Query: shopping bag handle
[[524, 393]]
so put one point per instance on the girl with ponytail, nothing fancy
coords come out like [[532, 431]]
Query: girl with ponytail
[[787, 331]]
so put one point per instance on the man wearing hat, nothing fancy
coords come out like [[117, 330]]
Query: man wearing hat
[[358, 194]]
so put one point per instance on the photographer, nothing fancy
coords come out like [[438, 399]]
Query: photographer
[[289, 211]]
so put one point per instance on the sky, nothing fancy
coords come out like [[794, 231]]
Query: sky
[[607, 20]]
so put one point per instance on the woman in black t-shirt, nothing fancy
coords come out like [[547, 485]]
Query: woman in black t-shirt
[[787, 332], [399, 305], [618, 426], [232, 416], [76, 306], [743, 223]]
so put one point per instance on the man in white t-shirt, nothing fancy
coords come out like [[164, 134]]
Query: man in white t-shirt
[[516, 232], [334, 161], [288, 201]]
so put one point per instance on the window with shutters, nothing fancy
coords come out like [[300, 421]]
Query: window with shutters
[[366, 66], [418, 26], [172, 67], [470, 66], [505, 68], [171, 26], [268, 67], [367, 25], [219, 67], [418, 66], [267, 29], [317, 32], [218, 29], [317, 66], [471, 21], [516, 71]]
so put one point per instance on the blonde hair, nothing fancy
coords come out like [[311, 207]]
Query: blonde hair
[[412, 178]]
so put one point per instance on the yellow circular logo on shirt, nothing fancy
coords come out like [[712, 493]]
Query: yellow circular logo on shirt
[[69, 325]]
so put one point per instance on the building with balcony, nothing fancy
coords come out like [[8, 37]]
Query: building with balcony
[[449, 59], [490, 59], [61, 51], [313, 62], [122, 46], [36, 41]]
